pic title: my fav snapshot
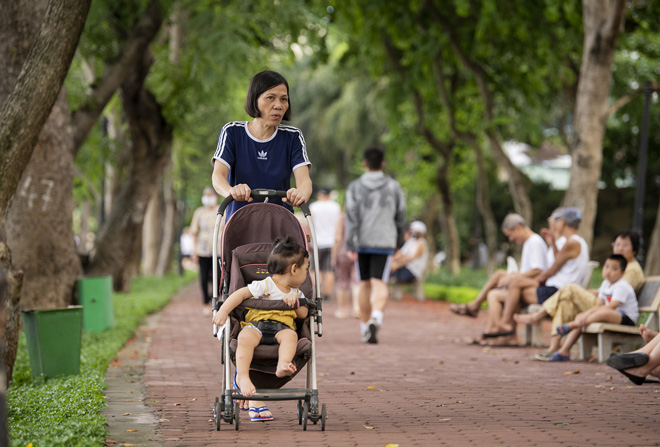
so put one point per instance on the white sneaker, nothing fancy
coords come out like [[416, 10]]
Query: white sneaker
[[371, 333], [365, 336]]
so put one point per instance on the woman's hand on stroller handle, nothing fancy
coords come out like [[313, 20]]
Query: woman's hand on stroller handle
[[292, 196], [241, 193]]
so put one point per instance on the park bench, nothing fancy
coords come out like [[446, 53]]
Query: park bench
[[396, 288], [533, 333], [608, 336]]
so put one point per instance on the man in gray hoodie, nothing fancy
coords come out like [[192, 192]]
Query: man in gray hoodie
[[375, 221]]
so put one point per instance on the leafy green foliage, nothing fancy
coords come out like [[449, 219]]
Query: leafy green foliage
[[67, 411]]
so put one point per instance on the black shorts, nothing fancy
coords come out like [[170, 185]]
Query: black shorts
[[625, 320], [374, 266]]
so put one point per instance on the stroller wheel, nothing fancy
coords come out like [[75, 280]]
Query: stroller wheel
[[305, 415], [299, 412], [324, 415], [237, 412], [216, 414]]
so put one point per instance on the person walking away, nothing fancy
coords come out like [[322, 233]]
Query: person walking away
[[375, 221], [201, 229], [325, 215]]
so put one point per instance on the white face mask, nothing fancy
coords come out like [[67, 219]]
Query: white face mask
[[209, 200]]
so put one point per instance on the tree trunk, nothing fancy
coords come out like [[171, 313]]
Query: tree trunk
[[36, 56], [151, 232], [40, 220], [652, 266], [603, 21], [166, 251], [151, 143], [483, 204], [448, 221]]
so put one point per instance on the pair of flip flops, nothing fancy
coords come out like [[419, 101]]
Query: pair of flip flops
[[258, 411], [464, 310], [498, 334], [621, 362]]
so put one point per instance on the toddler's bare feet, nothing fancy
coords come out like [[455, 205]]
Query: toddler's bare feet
[[646, 333], [245, 385], [527, 318], [285, 369]]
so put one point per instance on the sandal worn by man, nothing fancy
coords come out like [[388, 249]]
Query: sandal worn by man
[[463, 309]]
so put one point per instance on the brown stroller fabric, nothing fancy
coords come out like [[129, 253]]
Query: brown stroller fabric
[[249, 263]]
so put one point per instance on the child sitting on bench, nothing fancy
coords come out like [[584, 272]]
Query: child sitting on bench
[[617, 304]]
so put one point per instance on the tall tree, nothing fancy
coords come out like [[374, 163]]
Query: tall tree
[[37, 45], [603, 22]]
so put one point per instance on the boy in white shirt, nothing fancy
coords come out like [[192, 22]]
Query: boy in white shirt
[[617, 304]]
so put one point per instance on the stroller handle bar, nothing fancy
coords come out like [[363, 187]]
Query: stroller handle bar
[[263, 194]]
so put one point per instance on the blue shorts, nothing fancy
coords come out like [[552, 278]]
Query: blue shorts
[[544, 292], [403, 275]]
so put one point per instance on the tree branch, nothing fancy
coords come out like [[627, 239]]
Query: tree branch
[[619, 103], [133, 49]]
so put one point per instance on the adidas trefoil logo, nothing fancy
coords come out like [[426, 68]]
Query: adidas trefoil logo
[[262, 155]]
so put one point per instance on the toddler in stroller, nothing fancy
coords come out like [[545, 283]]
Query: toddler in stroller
[[288, 263], [261, 370]]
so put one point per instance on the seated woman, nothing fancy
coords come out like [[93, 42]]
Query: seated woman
[[638, 364], [572, 299]]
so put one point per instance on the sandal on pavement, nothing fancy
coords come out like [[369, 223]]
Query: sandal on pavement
[[627, 361], [498, 334], [543, 356], [258, 411], [463, 309], [563, 329], [557, 357], [637, 380]]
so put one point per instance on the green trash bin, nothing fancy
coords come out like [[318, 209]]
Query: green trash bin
[[53, 340], [95, 296]]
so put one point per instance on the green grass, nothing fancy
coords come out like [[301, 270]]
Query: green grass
[[460, 288], [67, 411]]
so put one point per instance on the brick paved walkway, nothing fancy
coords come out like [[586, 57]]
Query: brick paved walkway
[[422, 385]]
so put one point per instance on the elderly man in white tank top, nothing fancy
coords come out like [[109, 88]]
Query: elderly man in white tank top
[[570, 266]]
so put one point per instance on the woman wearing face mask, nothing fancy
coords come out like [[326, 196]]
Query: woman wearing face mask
[[201, 228]]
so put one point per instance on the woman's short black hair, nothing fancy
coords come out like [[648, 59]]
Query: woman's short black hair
[[285, 253], [261, 82], [634, 239]]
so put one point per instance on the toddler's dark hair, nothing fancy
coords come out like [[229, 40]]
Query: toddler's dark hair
[[621, 260], [285, 253]]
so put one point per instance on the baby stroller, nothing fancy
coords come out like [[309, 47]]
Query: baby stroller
[[246, 243]]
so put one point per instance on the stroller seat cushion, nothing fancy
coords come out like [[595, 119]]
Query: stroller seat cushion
[[268, 330]]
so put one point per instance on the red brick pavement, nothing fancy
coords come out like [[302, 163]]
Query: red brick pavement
[[422, 384]]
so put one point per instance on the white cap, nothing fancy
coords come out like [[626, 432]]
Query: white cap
[[418, 226]]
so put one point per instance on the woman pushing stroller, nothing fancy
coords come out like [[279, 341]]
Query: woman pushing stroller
[[288, 263]]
